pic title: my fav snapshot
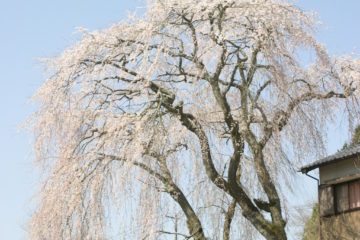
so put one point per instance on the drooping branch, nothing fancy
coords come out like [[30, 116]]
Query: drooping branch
[[193, 222]]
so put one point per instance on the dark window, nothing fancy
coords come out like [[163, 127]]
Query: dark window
[[342, 197], [354, 194], [326, 197], [339, 198]]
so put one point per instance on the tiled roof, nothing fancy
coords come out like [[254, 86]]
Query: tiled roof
[[347, 152]]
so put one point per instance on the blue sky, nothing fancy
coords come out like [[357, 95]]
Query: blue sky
[[32, 29]]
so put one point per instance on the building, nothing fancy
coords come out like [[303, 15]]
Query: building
[[339, 193]]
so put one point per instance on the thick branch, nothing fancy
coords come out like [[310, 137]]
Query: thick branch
[[257, 151], [228, 219], [281, 118], [193, 222], [249, 210]]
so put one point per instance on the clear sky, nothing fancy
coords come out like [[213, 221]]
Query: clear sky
[[42, 28]]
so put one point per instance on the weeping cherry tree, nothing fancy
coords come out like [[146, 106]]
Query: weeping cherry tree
[[187, 122]]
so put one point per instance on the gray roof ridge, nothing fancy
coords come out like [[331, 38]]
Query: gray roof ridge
[[341, 154]]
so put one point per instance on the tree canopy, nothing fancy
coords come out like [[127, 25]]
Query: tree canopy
[[197, 113]]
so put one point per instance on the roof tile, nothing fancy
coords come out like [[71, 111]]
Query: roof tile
[[347, 152]]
